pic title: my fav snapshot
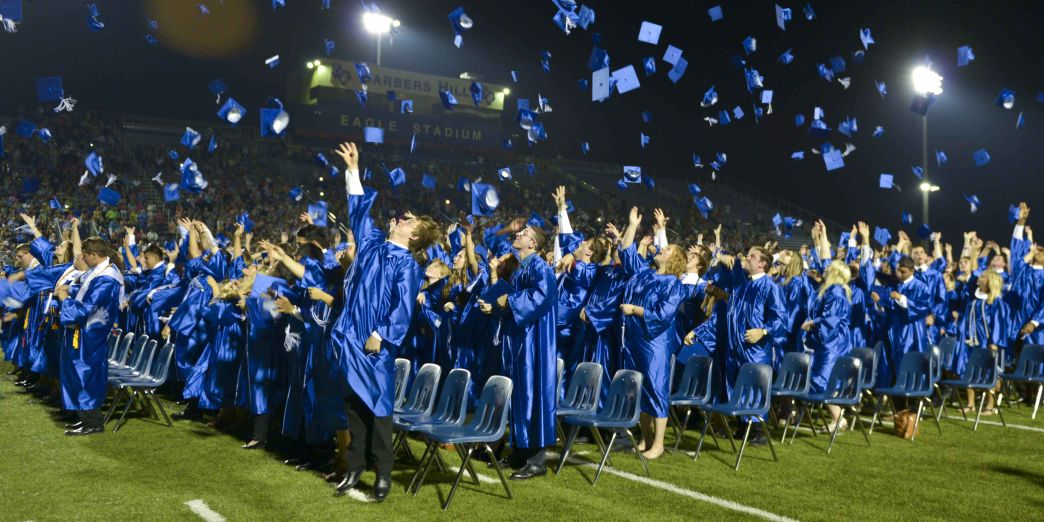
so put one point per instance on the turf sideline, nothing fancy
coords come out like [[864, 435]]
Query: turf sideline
[[203, 510]]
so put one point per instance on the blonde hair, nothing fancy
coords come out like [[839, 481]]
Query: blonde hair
[[793, 268], [677, 261], [994, 284], [837, 273]]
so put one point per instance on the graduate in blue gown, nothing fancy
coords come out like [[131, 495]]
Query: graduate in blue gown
[[145, 280], [1026, 296], [575, 273], [527, 336], [380, 296], [827, 326], [797, 293], [90, 314], [649, 304], [600, 315], [264, 340], [985, 323], [906, 305], [223, 319]]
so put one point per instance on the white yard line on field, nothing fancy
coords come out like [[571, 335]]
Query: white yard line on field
[[203, 510]]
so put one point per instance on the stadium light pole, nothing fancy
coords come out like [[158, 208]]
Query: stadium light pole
[[927, 84], [379, 24]]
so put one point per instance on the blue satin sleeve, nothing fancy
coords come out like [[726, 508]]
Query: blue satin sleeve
[[632, 263], [100, 293], [403, 298], [359, 217], [42, 250], [531, 303], [663, 306]]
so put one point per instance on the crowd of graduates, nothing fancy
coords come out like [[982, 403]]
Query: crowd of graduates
[[299, 331]]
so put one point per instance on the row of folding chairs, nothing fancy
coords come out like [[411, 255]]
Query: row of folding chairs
[[137, 367]]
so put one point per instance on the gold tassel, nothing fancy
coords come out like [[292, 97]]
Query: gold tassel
[[76, 338]]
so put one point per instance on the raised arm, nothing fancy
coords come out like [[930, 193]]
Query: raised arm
[[74, 234], [237, 241], [633, 220], [30, 222]]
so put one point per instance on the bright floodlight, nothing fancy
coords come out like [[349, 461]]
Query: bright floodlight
[[926, 81], [925, 186], [378, 23], [506, 91]]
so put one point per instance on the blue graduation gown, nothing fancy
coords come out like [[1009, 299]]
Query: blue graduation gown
[[84, 375], [528, 340], [15, 295], [905, 330], [649, 341], [221, 381], [573, 289], [601, 334], [1026, 297], [191, 339], [829, 337], [380, 293], [797, 293], [264, 338], [754, 303], [982, 324], [45, 344]]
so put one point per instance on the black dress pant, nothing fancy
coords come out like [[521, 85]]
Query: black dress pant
[[91, 418], [371, 442]]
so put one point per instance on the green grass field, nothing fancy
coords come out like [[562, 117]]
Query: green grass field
[[147, 471]]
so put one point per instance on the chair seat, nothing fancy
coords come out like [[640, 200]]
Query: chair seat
[[460, 435], [823, 398], [562, 411], [416, 422], [682, 400], [135, 382], [730, 410], [598, 421], [1021, 378], [783, 392], [899, 392]]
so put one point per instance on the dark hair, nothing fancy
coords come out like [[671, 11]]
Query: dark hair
[[507, 267], [23, 247], [600, 247], [539, 237], [906, 262], [310, 251], [98, 247], [155, 250], [425, 234], [312, 234]]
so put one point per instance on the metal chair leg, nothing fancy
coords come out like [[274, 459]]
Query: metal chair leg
[[797, 424], [938, 426], [706, 421], [471, 470], [997, 406], [159, 405], [641, 457], [703, 434], [833, 436], [942, 405], [772, 446], [1036, 405], [605, 457], [859, 419], [500, 472], [601, 444], [112, 407], [725, 424], [739, 457], [119, 422], [422, 469], [568, 446], [681, 431], [453, 489], [978, 412], [786, 423], [877, 412], [917, 420]]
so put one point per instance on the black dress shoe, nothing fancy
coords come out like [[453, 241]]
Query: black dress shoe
[[381, 488], [758, 439], [254, 444], [74, 425], [528, 472], [182, 415], [350, 480], [305, 466], [504, 462], [84, 430]]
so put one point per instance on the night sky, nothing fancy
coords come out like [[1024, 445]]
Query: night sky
[[116, 70]]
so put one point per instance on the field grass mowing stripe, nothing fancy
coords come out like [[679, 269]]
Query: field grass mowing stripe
[[971, 419], [203, 510], [671, 488]]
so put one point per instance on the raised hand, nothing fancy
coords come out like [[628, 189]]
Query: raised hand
[[238, 232], [350, 154], [560, 197], [864, 231], [634, 219], [661, 218], [305, 218], [612, 232]]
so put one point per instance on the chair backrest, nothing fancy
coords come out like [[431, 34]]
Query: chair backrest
[[148, 353], [137, 350], [846, 378], [453, 401], [751, 391], [981, 369], [914, 373], [868, 366], [159, 370], [935, 363], [625, 396], [947, 353], [561, 373], [584, 388], [123, 347], [113, 341], [1030, 362], [695, 381], [794, 373], [491, 410], [402, 376], [421, 397]]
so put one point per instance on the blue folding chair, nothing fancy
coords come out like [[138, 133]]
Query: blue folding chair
[[487, 427], [619, 414], [143, 387], [750, 398], [402, 377], [793, 379], [420, 397], [1029, 369], [843, 389], [119, 358], [451, 411], [944, 357], [113, 341], [694, 391], [867, 368], [581, 398], [912, 381], [979, 374], [139, 364]]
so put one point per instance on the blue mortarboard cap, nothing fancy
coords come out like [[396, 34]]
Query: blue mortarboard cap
[[723, 118], [837, 64], [504, 173], [296, 193], [940, 157], [217, 87], [232, 112], [49, 89], [171, 192], [965, 55], [397, 176], [783, 15], [108, 196], [25, 128], [696, 161], [55, 204], [477, 93], [866, 38], [392, 97], [1019, 121], [848, 126], [906, 218], [650, 66], [824, 72], [244, 219], [328, 46], [373, 135], [886, 181], [1005, 99], [272, 61], [191, 178], [506, 144], [694, 189], [212, 146], [621, 184], [647, 116], [878, 131], [649, 182], [924, 231], [531, 169], [318, 212], [882, 235], [428, 181], [918, 171], [632, 174], [44, 135], [858, 56], [362, 71], [626, 79], [777, 220], [463, 185], [274, 120], [799, 120], [484, 199], [11, 10], [649, 33], [705, 206], [644, 139], [672, 55], [715, 13], [981, 157], [678, 70], [737, 112], [406, 107], [1014, 213], [709, 98], [766, 96], [809, 13], [263, 283], [585, 147], [750, 44], [536, 221], [601, 85], [94, 22], [973, 200], [786, 57], [833, 160], [94, 163], [362, 96], [460, 22], [566, 20], [514, 76], [173, 154], [448, 100], [799, 155], [882, 89], [818, 129], [190, 138]]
